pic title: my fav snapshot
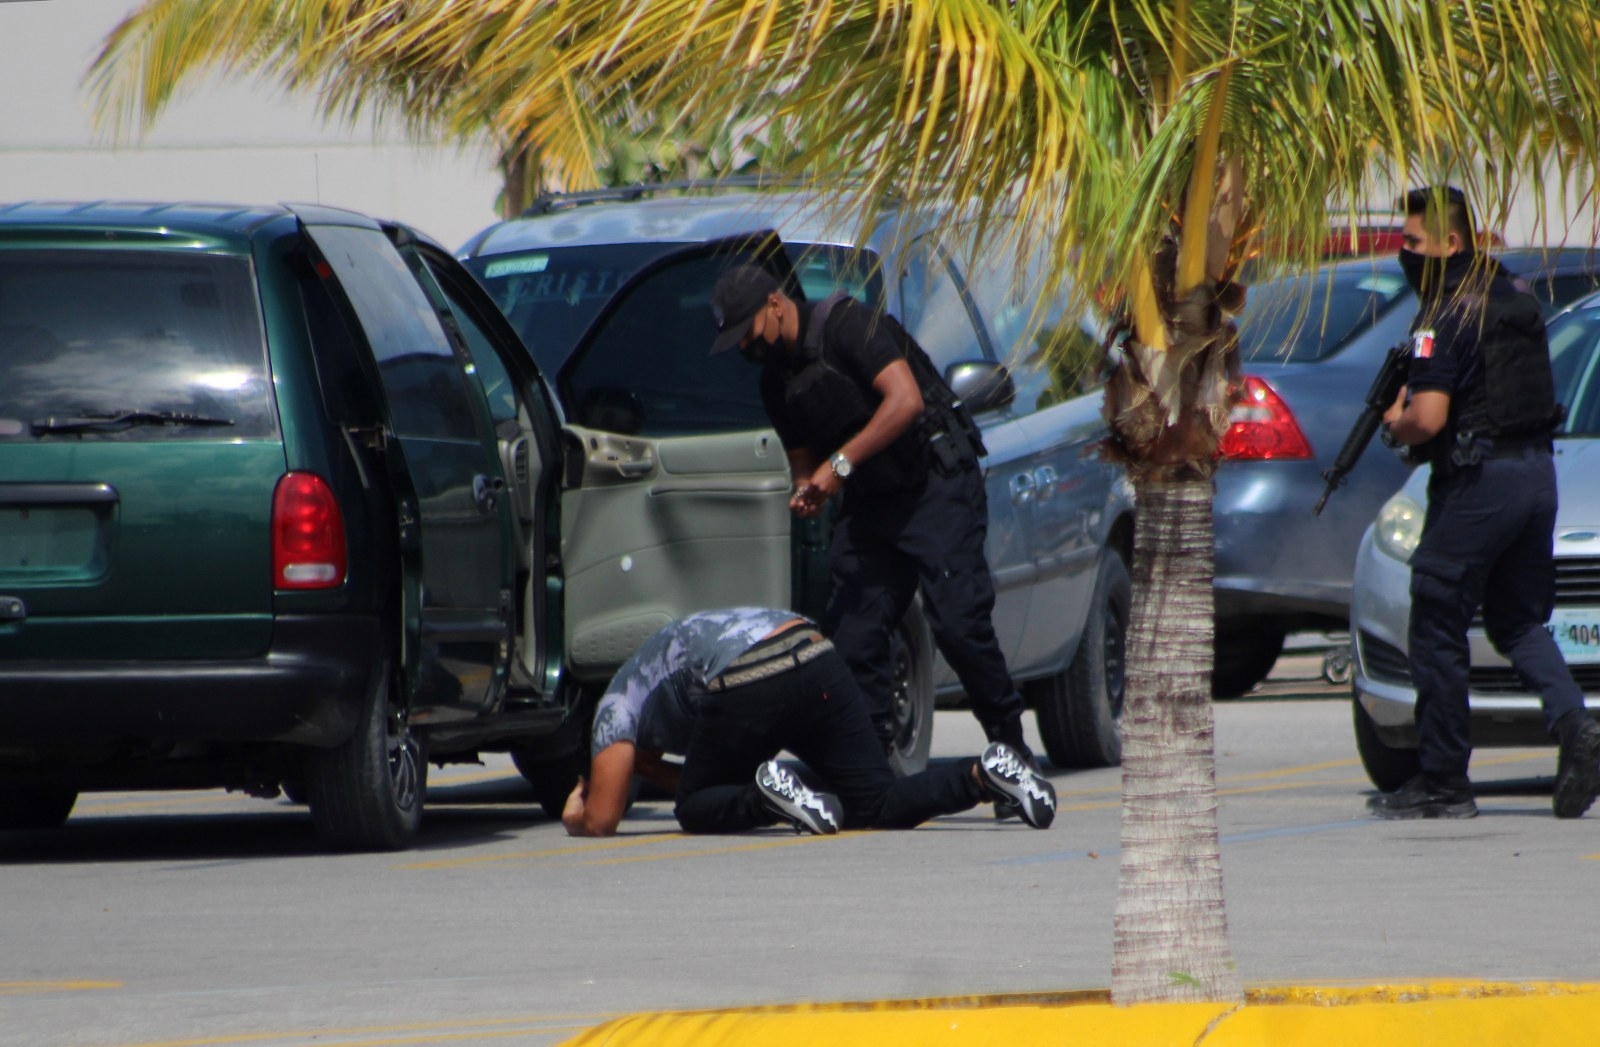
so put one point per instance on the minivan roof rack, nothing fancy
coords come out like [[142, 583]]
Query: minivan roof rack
[[549, 203]]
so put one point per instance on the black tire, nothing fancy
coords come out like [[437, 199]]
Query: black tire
[[367, 794], [1080, 709], [294, 791], [1388, 767], [911, 709], [28, 802], [1244, 653], [551, 777]]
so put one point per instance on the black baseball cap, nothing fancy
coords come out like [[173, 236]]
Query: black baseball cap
[[735, 300]]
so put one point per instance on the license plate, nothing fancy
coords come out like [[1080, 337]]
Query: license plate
[[1577, 633]]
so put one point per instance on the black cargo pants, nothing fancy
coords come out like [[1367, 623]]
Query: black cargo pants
[[1486, 540], [883, 548], [815, 712]]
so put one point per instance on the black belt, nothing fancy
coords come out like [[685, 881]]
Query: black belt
[[771, 657]]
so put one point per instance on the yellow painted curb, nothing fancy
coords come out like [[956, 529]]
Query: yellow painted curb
[[1426, 1014]]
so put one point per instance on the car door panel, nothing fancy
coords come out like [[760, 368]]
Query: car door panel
[[1072, 492], [526, 428], [676, 491], [659, 528]]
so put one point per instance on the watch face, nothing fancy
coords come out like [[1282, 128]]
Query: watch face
[[841, 466]]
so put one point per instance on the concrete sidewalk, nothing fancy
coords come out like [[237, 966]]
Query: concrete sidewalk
[[1433, 1014]]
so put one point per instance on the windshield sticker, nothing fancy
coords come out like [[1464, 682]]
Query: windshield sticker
[[528, 263], [1385, 285]]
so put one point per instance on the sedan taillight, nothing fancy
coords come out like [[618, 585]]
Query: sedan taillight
[[308, 550], [1263, 427]]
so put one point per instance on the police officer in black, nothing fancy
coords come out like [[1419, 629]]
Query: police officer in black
[[861, 411], [1480, 409]]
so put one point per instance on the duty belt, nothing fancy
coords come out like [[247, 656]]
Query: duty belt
[[772, 658]]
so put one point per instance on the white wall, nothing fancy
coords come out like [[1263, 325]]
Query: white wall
[[226, 142]]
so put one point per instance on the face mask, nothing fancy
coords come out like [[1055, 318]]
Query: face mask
[[1424, 274], [756, 351]]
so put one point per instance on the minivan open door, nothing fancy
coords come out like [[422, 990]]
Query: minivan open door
[[453, 528], [677, 489]]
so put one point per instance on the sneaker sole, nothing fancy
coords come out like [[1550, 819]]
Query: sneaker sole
[[1575, 790], [818, 822], [1432, 810], [1037, 810]]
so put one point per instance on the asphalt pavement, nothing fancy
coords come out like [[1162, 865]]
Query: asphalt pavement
[[192, 919]]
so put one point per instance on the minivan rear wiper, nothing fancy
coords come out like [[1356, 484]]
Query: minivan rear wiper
[[116, 421]]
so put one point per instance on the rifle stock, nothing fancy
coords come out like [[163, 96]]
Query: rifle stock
[[1391, 378]]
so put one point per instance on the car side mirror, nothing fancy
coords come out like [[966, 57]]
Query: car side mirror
[[981, 384]]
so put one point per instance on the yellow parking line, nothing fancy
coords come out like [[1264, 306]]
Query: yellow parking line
[[18, 988]]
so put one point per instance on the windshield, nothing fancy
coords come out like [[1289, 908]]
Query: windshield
[[130, 345], [551, 295], [1305, 317], [1575, 360]]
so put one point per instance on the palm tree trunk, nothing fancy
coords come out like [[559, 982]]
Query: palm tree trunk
[[1171, 935]]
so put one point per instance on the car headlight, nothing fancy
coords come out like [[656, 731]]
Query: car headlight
[[1399, 527]]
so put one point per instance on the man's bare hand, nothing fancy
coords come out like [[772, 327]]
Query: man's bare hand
[[572, 814]]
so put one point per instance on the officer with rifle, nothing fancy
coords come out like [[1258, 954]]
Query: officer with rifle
[[862, 411], [1479, 406]]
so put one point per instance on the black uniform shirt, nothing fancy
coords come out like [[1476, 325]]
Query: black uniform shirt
[[856, 346]]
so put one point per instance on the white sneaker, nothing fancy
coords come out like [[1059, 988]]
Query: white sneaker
[[788, 798], [1010, 779]]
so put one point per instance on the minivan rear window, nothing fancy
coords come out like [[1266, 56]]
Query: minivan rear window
[[90, 338]]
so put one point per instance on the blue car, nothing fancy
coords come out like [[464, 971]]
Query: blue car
[[1310, 347]]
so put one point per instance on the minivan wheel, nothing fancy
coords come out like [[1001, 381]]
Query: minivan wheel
[[1388, 767], [367, 793], [912, 704], [1080, 709], [35, 803]]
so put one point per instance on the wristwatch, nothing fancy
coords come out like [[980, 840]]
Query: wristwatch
[[841, 466]]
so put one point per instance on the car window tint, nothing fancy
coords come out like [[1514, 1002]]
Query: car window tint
[[823, 269], [491, 370], [98, 331], [1555, 292], [1051, 356], [1300, 318], [1574, 362], [648, 369], [421, 377], [551, 295], [934, 310]]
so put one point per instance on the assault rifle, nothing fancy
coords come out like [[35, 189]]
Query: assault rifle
[[1385, 387]]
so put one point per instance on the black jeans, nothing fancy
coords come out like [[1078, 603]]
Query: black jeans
[[884, 547], [1486, 540], [814, 711]]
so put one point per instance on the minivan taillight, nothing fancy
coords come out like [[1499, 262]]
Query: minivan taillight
[[1263, 427], [308, 550]]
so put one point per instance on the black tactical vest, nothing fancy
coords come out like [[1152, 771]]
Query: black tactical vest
[[1516, 399]]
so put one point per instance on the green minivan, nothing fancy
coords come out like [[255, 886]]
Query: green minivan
[[286, 505]]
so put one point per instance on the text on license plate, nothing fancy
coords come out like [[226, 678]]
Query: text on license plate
[[1577, 633]]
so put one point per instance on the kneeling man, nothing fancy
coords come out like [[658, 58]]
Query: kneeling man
[[728, 690]]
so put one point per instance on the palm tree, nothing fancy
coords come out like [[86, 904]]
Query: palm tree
[[1156, 144]]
